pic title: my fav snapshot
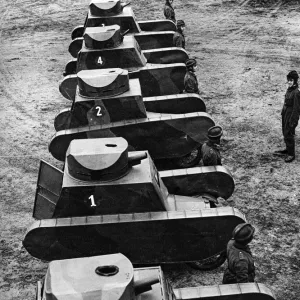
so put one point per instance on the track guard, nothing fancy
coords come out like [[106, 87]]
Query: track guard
[[157, 25], [239, 291], [214, 180], [162, 237]]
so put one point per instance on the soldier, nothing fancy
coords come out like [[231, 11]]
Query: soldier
[[169, 11], [290, 116], [178, 38], [210, 149], [190, 79], [240, 267]]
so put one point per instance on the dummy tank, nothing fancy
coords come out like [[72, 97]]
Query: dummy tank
[[113, 277], [117, 98], [108, 104], [92, 39], [109, 200], [108, 48], [154, 33]]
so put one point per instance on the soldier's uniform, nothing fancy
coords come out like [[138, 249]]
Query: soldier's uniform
[[290, 117], [210, 154], [179, 40], [169, 12], [191, 82], [240, 267]]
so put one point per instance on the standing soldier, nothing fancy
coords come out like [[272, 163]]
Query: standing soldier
[[290, 116], [169, 11], [210, 149], [190, 79], [178, 38], [240, 267]]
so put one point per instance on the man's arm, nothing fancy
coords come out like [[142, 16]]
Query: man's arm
[[177, 41], [169, 13], [241, 269], [296, 109], [190, 86]]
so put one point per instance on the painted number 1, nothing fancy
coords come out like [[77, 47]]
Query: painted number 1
[[92, 200], [99, 111]]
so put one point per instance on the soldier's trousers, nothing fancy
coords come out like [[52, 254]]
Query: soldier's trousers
[[288, 135]]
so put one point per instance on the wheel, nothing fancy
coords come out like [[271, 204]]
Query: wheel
[[210, 263], [189, 160]]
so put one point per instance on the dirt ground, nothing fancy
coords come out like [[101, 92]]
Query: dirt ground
[[244, 51]]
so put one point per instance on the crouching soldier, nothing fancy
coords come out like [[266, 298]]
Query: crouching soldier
[[240, 267], [169, 12], [178, 38], [210, 149], [190, 78]]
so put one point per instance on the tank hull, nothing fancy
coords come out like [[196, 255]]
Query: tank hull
[[155, 80], [125, 58], [185, 182], [162, 237], [85, 113], [146, 40]]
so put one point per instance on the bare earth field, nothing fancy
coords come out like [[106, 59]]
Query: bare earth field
[[244, 51]]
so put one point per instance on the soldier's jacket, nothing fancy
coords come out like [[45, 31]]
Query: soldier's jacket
[[191, 83], [169, 12], [178, 40], [240, 267], [291, 107], [210, 154]]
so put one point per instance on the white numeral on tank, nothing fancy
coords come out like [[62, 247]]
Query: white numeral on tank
[[100, 61], [99, 111], [92, 200]]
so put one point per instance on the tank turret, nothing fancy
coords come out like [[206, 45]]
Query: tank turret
[[122, 52], [113, 277], [108, 82], [103, 37], [106, 8]]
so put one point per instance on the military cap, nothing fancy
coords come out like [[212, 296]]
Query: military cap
[[243, 232], [215, 132], [180, 23], [292, 75], [190, 62]]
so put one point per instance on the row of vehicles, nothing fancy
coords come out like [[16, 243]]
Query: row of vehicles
[[131, 181]]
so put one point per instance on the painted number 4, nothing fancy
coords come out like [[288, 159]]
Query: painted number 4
[[100, 61], [99, 111], [92, 200]]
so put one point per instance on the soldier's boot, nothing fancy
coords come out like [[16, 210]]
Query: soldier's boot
[[289, 158], [280, 152]]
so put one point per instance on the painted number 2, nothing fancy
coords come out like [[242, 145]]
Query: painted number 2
[[100, 61], [99, 111], [92, 200]]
